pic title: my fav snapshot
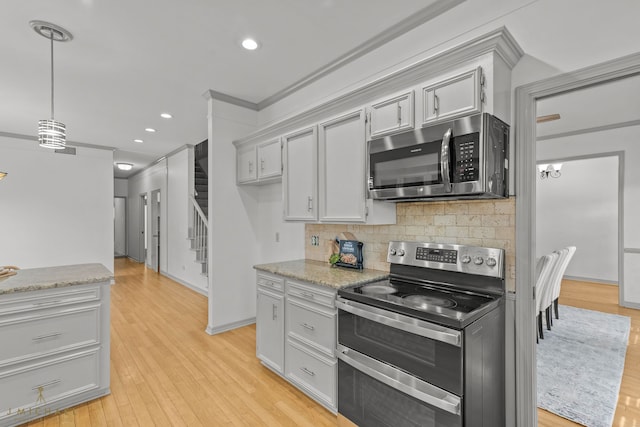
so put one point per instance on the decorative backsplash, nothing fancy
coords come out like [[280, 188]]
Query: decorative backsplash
[[489, 223]]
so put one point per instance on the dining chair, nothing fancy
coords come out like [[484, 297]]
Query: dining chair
[[557, 284], [544, 268]]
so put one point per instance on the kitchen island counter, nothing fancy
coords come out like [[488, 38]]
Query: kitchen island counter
[[35, 279], [320, 273]]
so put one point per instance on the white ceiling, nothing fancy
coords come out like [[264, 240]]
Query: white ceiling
[[131, 60]]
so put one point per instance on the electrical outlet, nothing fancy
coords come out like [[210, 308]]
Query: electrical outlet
[[315, 240]]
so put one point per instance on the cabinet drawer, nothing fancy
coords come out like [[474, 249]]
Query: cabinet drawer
[[42, 385], [313, 373], [315, 327], [32, 336], [323, 296], [23, 302], [271, 282]]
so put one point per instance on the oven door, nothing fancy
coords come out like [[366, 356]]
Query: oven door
[[374, 394], [431, 352]]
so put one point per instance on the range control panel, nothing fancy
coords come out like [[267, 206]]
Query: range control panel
[[441, 256]]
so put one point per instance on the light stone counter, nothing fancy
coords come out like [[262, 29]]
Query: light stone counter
[[34, 279], [322, 274]]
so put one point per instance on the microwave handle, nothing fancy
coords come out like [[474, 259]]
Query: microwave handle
[[445, 161]]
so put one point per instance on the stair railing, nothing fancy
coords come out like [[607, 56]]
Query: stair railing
[[198, 234]]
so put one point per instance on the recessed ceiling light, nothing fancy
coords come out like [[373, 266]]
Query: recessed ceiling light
[[166, 115], [150, 130], [139, 141], [124, 166], [249, 44]]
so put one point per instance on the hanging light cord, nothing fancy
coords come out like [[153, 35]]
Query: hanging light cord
[[51, 36]]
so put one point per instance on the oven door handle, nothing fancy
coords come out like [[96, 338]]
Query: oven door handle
[[445, 161], [401, 381], [400, 321]]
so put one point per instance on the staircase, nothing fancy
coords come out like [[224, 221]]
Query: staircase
[[200, 206]]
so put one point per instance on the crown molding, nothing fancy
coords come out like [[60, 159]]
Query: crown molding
[[499, 41], [212, 94]]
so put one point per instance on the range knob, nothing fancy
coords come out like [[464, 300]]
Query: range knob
[[466, 259], [478, 260], [400, 252], [392, 251], [491, 262]]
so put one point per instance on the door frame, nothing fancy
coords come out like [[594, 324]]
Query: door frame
[[126, 225], [526, 97], [142, 237]]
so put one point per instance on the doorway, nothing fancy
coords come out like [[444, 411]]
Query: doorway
[[142, 243], [526, 100], [120, 227], [155, 230]]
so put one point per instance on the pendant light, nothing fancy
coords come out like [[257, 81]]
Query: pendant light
[[51, 134], [2, 175]]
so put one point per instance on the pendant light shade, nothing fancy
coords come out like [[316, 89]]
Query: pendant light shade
[[51, 133]]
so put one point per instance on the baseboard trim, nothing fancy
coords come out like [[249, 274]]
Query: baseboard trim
[[186, 284], [211, 330], [630, 305], [592, 280]]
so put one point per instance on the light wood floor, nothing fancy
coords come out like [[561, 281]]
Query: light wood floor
[[166, 371], [594, 296]]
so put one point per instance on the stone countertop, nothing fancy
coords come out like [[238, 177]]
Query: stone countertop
[[35, 279], [321, 273]]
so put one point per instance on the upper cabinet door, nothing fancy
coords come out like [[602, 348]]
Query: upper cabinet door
[[457, 96], [269, 159], [246, 164], [342, 156], [391, 115], [300, 176]]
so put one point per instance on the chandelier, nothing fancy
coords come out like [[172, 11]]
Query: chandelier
[[51, 133]]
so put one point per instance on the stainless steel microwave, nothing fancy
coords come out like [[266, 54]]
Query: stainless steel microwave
[[466, 158]]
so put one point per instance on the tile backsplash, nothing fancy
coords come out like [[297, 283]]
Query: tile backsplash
[[489, 223]]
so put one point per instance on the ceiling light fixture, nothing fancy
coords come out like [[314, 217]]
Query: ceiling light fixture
[[139, 141], [2, 175], [124, 166], [166, 115], [549, 170], [150, 130], [249, 44], [51, 134]]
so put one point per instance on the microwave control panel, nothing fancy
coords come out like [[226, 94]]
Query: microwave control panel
[[467, 158]]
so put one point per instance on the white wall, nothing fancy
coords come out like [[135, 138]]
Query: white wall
[[234, 222], [181, 263], [144, 182], [55, 209], [580, 208], [120, 187]]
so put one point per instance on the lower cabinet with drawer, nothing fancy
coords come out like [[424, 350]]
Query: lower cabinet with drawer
[[299, 319], [54, 350]]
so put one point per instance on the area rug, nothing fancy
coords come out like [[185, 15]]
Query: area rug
[[580, 364]]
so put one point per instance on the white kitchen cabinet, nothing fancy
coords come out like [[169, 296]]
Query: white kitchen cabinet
[[55, 350], [270, 322], [391, 115], [342, 165], [299, 178], [246, 170], [269, 160], [310, 361], [457, 96]]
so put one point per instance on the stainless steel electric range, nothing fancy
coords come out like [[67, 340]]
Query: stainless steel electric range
[[426, 346]]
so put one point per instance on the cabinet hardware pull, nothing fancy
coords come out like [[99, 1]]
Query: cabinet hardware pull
[[436, 103], [42, 337], [47, 302], [262, 165], [308, 372], [275, 312], [309, 327], [41, 386], [308, 295], [309, 203], [482, 96], [399, 114]]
